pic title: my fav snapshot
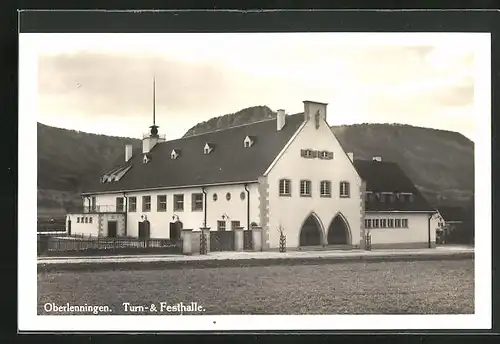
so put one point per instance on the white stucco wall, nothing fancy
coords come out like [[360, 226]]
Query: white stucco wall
[[417, 233], [291, 212], [80, 228], [235, 209]]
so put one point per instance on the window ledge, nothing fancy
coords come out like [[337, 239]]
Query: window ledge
[[197, 210], [305, 195], [326, 196], [285, 195]]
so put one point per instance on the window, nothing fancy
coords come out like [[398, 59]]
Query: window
[[86, 220], [90, 220], [146, 203], [397, 223], [161, 203], [197, 202], [207, 149], [305, 188], [306, 153], [404, 223], [285, 187], [383, 223], [368, 223], [221, 225], [132, 204], [78, 220], [324, 154], [242, 196], [391, 198], [178, 202], [248, 142], [120, 203], [344, 189], [214, 197], [228, 196], [235, 224], [325, 188], [390, 223], [369, 196], [382, 197], [92, 203], [375, 223]]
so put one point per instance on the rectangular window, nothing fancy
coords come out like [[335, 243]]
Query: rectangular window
[[86, 219], [326, 188], [344, 189], [382, 198], [404, 223], [146, 203], [78, 219], [92, 204], [120, 204], [383, 223], [391, 198], [397, 223], [305, 188], [90, 220], [132, 204], [375, 223], [197, 202], [235, 224], [221, 225], [390, 223], [161, 203], [178, 202], [368, 223], [285, 187]]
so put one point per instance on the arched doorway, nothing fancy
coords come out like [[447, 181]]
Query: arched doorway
[[311, 232], [338, 232], [175, 230]]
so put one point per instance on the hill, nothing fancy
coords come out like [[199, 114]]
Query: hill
[[67, 160], [441, 163]]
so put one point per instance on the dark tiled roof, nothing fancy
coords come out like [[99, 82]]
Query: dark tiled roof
[[451, 213], [384, 176], [229, 162]]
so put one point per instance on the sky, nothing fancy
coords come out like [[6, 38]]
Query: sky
[[102, 83]]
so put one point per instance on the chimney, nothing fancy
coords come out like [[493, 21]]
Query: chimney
[[128, 152], [280, 120], [377, 158], [351, 156]]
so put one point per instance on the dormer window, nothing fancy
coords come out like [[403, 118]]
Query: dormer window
[[248, 142], [174, 154], [146, 159], [306, 153], [207, 149]]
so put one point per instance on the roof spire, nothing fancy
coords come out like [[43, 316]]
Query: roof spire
[[154, 127]]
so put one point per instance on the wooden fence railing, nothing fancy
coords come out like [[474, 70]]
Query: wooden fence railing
[[54, 245]]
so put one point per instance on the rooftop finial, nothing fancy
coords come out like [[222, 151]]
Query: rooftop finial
[[154, 127]]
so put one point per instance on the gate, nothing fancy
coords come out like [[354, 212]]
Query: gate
[[222, 241], [247, 240]]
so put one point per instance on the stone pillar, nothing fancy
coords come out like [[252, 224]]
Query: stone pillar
[[238, 239], [206, 232], [257, 238], [186, 241]]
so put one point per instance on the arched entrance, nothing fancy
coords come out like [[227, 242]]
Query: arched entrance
[[311, 232], [338, 232], [175, 230]]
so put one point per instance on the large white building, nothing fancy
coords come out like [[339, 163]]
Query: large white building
[[289, 172]]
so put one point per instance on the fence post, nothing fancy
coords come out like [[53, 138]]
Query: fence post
[[238, 239], [257, 238], [186, 241]]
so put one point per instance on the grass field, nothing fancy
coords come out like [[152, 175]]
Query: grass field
[[420, 287]]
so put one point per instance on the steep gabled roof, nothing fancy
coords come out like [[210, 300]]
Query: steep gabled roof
[[229, 162], [384, 176]]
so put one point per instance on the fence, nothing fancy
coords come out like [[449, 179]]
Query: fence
[[80, 245]]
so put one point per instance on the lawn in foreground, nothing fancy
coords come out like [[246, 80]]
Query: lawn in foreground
[[419, 287]]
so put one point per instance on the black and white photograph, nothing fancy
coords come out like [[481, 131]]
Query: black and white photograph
[[255, 181]]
